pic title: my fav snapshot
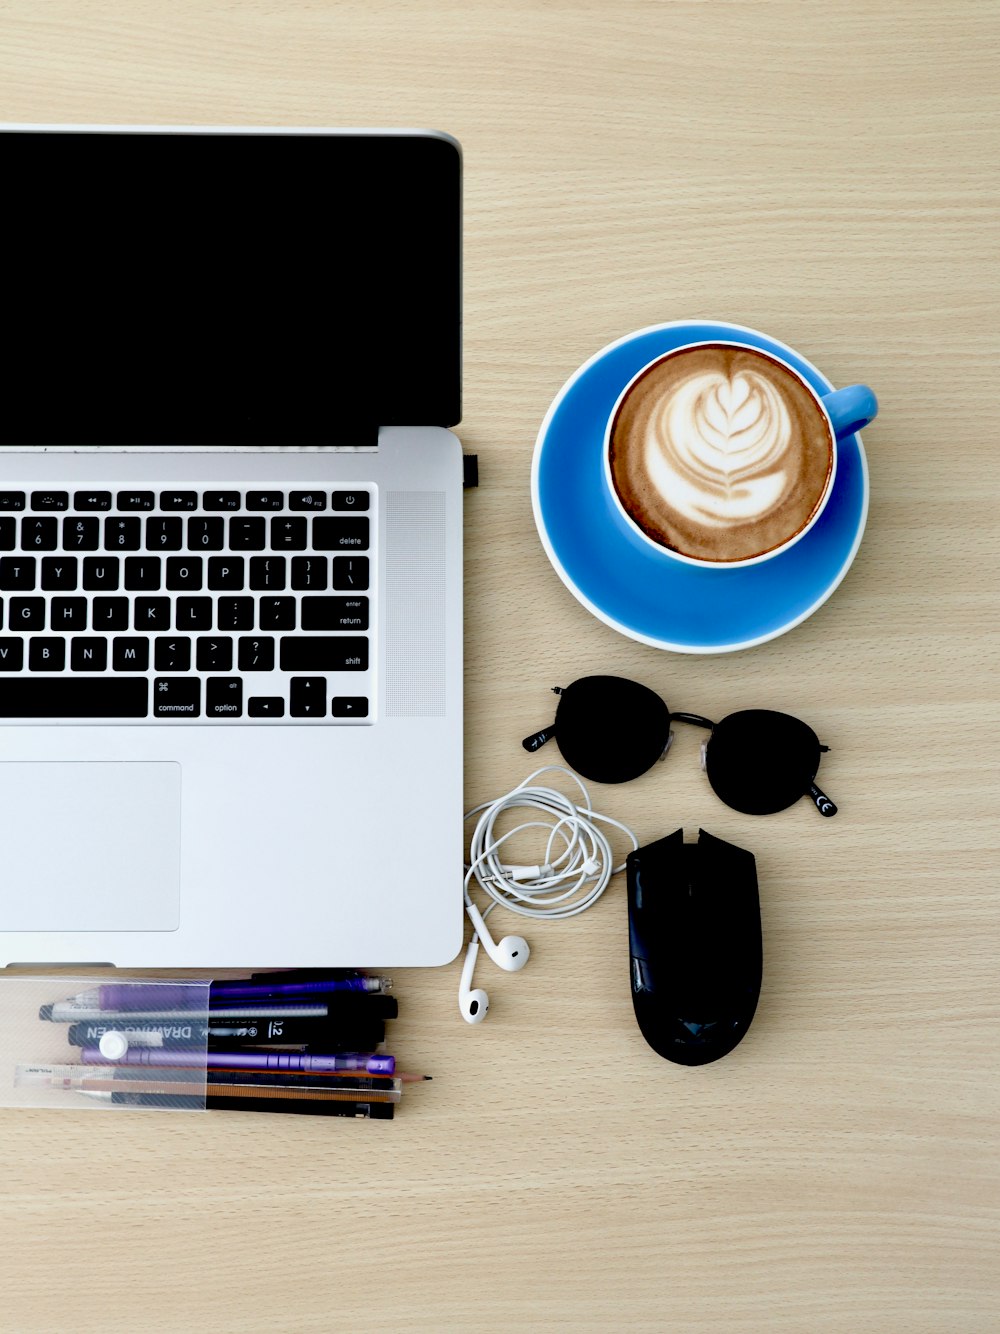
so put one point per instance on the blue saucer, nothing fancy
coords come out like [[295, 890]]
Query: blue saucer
[[645, 594]]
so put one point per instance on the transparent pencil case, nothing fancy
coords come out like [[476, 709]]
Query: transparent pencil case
[[121, 1042]]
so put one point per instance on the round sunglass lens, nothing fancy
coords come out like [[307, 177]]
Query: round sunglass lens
[[760, 762], [610, 729]]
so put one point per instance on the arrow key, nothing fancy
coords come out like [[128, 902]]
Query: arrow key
[[308, 697]]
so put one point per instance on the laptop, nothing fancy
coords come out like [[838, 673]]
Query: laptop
[[230, 547]]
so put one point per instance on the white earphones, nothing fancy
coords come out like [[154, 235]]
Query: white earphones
[[510, 953], [586, 863], [472, 1003]]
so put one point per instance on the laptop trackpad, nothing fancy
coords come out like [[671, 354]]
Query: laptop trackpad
[[90, 847]]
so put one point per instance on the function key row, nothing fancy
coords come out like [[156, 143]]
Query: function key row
[[185, 500], [166, 532]]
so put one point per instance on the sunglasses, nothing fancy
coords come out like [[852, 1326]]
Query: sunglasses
[[611, 730]]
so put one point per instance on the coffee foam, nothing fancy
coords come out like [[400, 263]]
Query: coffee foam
[[720, 453]]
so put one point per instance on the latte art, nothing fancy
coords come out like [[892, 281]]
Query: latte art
[[720, 452], [715, 447]]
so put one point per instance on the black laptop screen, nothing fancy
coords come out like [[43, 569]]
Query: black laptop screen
[[225, 289]]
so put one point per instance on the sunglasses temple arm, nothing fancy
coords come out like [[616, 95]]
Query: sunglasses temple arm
[[823, 803], [538, 739]]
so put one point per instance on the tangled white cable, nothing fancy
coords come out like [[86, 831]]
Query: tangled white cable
[[577, 866]]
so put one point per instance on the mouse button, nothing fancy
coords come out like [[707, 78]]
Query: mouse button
[[652, 868]]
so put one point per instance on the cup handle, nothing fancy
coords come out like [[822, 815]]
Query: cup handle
[[851, 409]]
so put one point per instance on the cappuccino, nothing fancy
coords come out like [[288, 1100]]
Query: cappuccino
[[720, 453]]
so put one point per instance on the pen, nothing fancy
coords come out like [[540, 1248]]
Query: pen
[[192, 996], [322, 1063], [196, 1079], [263, 988], [339, 1005], [261, 1102], [324, 1033], [69, 1012]]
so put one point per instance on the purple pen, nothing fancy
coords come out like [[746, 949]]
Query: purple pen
[[250, 990], [304, 1063], [144, 996]]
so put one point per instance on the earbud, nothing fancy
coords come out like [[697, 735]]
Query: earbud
[[473, 1004], [511, 953]]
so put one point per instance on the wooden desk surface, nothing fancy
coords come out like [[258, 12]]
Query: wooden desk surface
[[823, 172]]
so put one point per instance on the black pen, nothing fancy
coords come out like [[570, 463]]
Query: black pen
[[323, 1033], [255, 1100]]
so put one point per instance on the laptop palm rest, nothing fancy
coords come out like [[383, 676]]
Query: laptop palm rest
[[97, 843]]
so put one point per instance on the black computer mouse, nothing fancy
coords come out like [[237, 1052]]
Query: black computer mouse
[[695, 945]]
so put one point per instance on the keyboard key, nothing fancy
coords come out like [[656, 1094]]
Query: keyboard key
[[178, 500], [224, 697], [234, 614], [307, 697], [246, 535], [288, 534], [59, 574], [11, 500], [184, 573], [39, 534], [350, 500], [17, 573], [179, 697], [277, 614], [256, 655], [68, 614], [172, 654], [307, 500], [100, 574], [8, 533], [122, 534], [50, 500], [82, 534], [152, 614], [265, 500], [130, 655], [221, 500], [88, 655], [226, 572], [27, 614], [215, 655], [194, 614], [309, 572], [334, 614], [205, 534], [349, 572], [324, 653], [142, 574], [349, 706], [340, 534], [91, 500], [46, 655], [11, 654], [266, 706], [110, 614], [267, 573], [136, 500], [164, 533], [74, 697]]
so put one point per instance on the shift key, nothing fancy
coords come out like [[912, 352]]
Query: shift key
[[324, 653]]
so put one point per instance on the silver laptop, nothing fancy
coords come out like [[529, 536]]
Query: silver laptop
[[230, 547]]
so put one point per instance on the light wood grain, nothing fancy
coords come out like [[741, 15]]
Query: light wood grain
[[826, 172]]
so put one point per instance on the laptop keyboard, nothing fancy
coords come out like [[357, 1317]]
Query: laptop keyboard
[[166, 605]]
